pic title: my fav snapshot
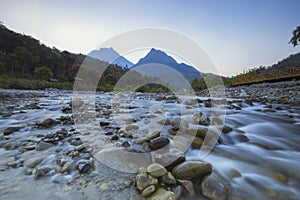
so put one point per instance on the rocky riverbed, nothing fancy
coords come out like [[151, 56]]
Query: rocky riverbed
[[286, 92], [151, 146]]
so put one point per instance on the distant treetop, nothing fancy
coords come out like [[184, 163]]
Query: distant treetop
[[295, 40]]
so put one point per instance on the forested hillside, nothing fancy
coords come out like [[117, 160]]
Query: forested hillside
[[26, 63], [291, 61]]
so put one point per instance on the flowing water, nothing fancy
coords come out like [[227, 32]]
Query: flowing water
[[259, 158]]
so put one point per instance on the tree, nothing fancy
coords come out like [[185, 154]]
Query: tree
[[24, 57], [13, 63], [198, 85], [43, 73], [295, 40]]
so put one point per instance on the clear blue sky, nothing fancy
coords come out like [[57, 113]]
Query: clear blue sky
[[236, 34]]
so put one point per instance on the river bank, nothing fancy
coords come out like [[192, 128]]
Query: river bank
[[286, 92]]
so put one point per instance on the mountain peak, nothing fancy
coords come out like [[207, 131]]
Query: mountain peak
[[111, 56], [157, 56], [157, 51]]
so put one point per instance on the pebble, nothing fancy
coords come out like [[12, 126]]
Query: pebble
[[233, 173], [168, 179], [226, 129], [217, 121], [42, 171], [145, 180], [142, 170], [148, 190], [188, 186], [249, 102], [191, 169], [141, 140], [80, 147], [67, 167], [104, 186], [164, 122], [240, 138], [103, 123], [197, 143], [158, 143], [10, 130], [75, 154], [280, 177], [128, 183], [29, 148], [46, 123], [84, 166], [178, 191], [156, 170], [43, 146], [169, 160], [32, 162], [9, 146], [201, 118], [199, 132], [153, 135], [213, 187], [77, 102], [162, 194], [114, 137], [13, 164], [179, 123], [131, 127], [125, 144]]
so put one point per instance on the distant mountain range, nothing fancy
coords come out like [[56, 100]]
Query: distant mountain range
[[154, 57], [111, 56]]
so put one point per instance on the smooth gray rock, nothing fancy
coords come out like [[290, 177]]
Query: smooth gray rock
[[191, 169]]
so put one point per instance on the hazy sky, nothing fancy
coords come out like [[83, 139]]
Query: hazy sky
[[236, 34]]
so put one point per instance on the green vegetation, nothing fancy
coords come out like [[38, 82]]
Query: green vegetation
[[291, 61], [153, 88], [43, 73], [198, 85], [210, 81], [26, 84], [283, 67], [295, 40], [21, 55]]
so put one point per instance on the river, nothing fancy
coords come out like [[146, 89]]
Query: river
[[259, 157]]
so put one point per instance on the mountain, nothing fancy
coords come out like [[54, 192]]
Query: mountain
[[111, 56], [162, 59]]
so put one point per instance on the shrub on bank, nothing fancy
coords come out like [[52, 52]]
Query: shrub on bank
[[26, 84]]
